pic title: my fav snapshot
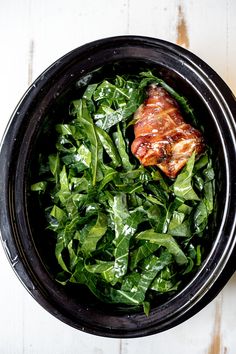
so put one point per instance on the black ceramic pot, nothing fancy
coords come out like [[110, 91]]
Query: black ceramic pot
[[21, 224]]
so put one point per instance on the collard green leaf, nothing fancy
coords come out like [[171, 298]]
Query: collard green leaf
[[65, 129], [135, 287], [88, 93], [123, 233], [181, 230], [164, 240], [118, 296], [82, 276], [142, 252], [95, 233], [109, 146], [99, 267], [84, 155], [116, 102], [64, 194], [125, 225], [64, 184], [109, 176], [198, 256], [39, 187], [162, 285], [73, 256], [202, 162], [209, 196], [177, 225], [89, 130], [129, 189], [200, 217], [173, 205], [122, 148], [65, 145], [131, 281], [54, 165], [58, 214], [183, 184], [157, 216], [108, 118]]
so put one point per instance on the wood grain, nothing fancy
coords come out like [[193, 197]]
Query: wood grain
[[30, 62], [182, 29], [216, 336]]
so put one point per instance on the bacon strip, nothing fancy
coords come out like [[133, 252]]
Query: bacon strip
[[162, 138]]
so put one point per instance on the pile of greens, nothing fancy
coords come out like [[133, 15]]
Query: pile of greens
[[126, 232]]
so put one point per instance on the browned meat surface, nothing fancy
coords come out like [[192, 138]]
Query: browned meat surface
[[162, 138]]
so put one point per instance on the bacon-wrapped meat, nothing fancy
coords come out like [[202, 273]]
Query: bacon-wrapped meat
[[162, 138]]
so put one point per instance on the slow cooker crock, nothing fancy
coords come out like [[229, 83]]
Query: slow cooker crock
[[215, 106]]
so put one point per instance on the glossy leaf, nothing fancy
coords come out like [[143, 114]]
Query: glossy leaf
[[164, 240], [109, 146], [183, 183], [94, 234]]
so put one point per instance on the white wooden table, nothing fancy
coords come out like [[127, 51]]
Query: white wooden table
[[33, 34]]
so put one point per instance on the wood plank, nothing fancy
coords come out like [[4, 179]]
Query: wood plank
[[154, 18], [231, 45], [207, 29], [43, 333], [33, 34], [12, 310], [57, 29]]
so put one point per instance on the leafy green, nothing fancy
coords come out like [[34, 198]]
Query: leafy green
[[165, 240], [39, 187], [87, 124], [94, 234], [54, 165], [165, 282], [121, 146], [183, 187], [117, 101], [109, 146], [124, 231]]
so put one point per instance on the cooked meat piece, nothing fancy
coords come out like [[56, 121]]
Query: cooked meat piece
[[162, 138]]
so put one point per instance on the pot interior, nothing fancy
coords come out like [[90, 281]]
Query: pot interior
[[44, 140]]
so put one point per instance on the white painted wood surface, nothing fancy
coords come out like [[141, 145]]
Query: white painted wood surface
[[34, 33]]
